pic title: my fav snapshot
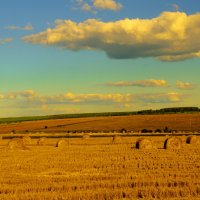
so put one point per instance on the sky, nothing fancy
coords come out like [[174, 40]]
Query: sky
[[83, 56]]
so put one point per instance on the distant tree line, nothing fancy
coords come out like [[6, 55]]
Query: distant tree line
[[170, 110], [142, 112]]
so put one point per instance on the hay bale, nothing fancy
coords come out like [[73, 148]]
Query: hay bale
[[183, 139], [41, 141], [117, 139], [16, 143], [86, 136], [62, 143], [27, 140], [173, 143], [192, 139], [144, 144]]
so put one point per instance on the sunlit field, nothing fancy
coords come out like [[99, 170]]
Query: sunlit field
[[180, 122], [99, 100], [99, 168]]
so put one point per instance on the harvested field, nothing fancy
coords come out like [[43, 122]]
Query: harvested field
[[186, 122], [97, 169]]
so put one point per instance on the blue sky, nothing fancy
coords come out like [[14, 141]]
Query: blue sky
[[111, 55]]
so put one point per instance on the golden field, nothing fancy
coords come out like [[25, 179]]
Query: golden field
[[180, 122], [97, 168]]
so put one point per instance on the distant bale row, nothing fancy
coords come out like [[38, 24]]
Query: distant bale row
[[170, 143], [176, 143], [19, 143], [22, 143], [16, 143]]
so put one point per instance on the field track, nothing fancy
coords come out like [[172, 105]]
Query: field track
[[94, 135]]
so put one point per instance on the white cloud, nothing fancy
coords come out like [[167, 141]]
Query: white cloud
[[171, 97], [30, 96], [27, 94], [140, 83], [171, 36], [175, 7], [5, 40], [28, 27], [86, 7], [87, 98], [107, 4], [29, 102], [1, 96], [184, 85], [95, 5]]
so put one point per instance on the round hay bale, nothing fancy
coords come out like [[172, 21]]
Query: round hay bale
[[173, 143], [117, 139], [41, 141], [16, 143], [192, 139], [61, 143], [144, 144], [27, 140], [13, 132], [183, 139], [86, 136]]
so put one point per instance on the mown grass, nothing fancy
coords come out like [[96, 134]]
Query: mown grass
[[98, 169]]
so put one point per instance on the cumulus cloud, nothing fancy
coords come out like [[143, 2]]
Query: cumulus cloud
[[140, 83], [175, 7], [86, 98], [171, 97], [172, 36], [86, 7], [1, 96], [184, 85], [66, 98], [107, 4], [28, 27], [27, 94], [5, 40], [81, 4], [96, 5]]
